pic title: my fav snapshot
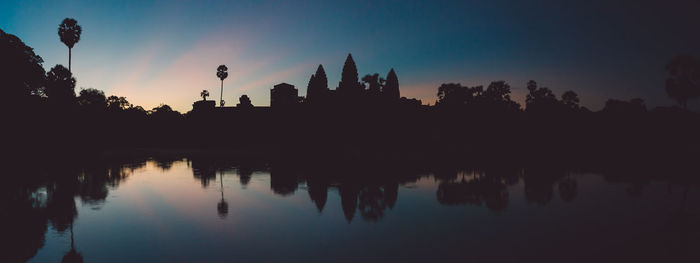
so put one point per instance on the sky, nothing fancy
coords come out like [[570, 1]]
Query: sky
[[155, 52]]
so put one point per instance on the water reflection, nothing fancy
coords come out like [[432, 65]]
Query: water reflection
[[43, 197], [222, 206], [48, 199]]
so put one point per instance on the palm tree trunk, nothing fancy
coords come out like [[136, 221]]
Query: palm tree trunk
[[69, 55], [222, 93]]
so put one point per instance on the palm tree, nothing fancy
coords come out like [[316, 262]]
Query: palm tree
[[222, 73], [69, 32], [204, 94], [570, 99]]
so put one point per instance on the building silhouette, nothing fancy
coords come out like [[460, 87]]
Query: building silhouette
[[284, 95], [350, 93]]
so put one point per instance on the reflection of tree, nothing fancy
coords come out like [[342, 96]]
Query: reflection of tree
[[29, 211], [487, 188], [24, 220], [372, 203], [634, 180], [72, 255], [93, 187], [222, 206], [539, 184], [391, 193], [60, 206], [244, 175], [477, 191], [164, 162], [568, 189]]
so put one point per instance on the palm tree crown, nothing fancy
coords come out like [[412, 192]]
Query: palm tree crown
[[69, 32], [222, 72]]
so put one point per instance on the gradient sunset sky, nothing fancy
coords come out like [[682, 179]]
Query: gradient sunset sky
[[155, 52]]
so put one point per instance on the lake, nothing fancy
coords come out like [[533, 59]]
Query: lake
[[212, 210]]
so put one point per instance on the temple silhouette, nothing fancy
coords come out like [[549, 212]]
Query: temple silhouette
[[350, 92]]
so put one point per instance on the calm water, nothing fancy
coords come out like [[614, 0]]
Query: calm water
[[196, 211]]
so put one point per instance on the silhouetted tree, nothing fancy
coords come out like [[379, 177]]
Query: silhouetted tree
[[22, 70], [374, 83], [496, 98], [92, 99], [540, 99], [498, 91], [683, 82], [391, 89], [222, 73], [115, 103], [244, 102], [164, 113], [454, 94], [204, 94], [60, 85], [570, 99], [69, 31]]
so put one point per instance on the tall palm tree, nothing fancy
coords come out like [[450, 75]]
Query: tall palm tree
[[69, 31], [222, 73]]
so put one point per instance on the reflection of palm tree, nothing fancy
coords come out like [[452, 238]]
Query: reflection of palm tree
[[371, 203], [222, 206], [69, 32], [72, 255], [222, 73]]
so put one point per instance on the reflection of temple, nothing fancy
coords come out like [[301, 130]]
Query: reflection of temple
[[203, 170]]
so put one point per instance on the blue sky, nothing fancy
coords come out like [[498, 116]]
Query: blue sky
[[156, 52]]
